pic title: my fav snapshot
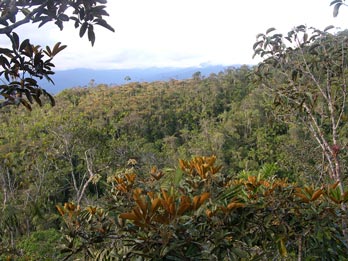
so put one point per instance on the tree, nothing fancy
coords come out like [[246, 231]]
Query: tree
[[24, 63], [197, 75], [127, 78], [306, 72]]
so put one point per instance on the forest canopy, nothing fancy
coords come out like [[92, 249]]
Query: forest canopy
[[99, 148], [249, 163]]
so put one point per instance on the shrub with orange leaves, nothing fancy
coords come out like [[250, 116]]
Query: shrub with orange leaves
[[162, 208], [69, 210], [198, 218], [202, 166], [156, 174], [124, 182]]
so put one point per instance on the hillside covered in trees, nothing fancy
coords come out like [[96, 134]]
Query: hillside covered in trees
[[246, 164], [100, 145]]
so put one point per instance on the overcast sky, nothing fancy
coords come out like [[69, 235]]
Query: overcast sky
[[182, 33]]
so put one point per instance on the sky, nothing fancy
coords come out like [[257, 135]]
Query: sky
[[181, 33]]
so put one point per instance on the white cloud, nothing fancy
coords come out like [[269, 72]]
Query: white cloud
[[183, 33]]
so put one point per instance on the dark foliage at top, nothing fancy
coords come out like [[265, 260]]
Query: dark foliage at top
[[24, 63]]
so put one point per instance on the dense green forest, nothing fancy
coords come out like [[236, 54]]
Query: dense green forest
[[99, 144], [246, 164]]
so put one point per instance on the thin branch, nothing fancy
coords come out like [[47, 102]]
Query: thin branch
[[324, 148], [344, 89], [308, 72], [331, 108], [91, 177]]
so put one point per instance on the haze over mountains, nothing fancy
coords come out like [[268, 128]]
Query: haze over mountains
[[83, 77]]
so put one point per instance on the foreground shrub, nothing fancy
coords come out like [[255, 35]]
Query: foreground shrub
[[198, 213]]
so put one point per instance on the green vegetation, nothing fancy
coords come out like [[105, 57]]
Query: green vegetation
[[248, 164], [108, 158]]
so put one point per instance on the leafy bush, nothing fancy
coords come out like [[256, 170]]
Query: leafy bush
[[207, 215], [40, 245]]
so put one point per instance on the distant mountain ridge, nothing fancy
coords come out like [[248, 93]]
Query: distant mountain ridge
[[82, 77]]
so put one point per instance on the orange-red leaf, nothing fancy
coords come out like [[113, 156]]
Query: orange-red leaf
[[317, 194], [302, 196], [209, 213], [234, 205], [141, 202], [195, 202], [60, 210], [185, 205], [203, 197], [155, 204], [131, 177], [130, 216]]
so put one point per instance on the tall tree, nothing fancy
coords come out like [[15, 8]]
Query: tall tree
[[307, 72], [24, 63]]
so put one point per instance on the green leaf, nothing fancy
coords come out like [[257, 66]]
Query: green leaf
[[335, 2], [53, 102], [25, 11], [59, 23], [282, 248], [91, 35], [26, 104], [270, 30], [260, 35], [240, 253], [257, 44], [31, 81], [103, 23], [24, 44], [15, 40], [328, 28], [336, 9], [37, 99], [63, 17], [83, 29], [300, 28], [48, 51], [5, 51], [28, 95], [4, 62], [44, 20], [57, 48]]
